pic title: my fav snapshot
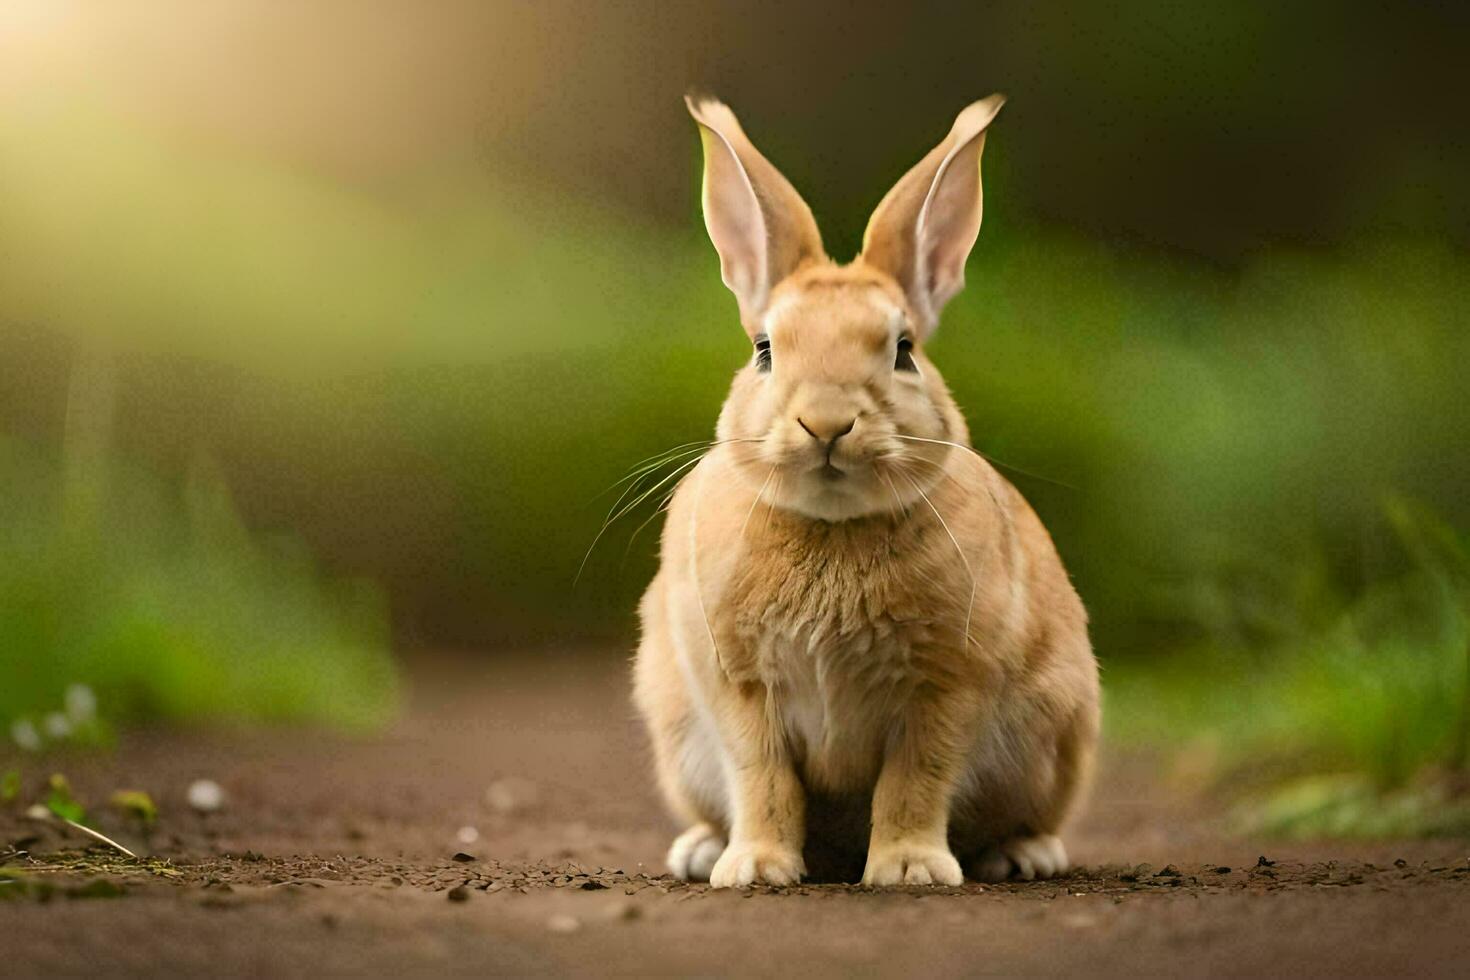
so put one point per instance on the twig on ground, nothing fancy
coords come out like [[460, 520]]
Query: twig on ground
[[103, 838]]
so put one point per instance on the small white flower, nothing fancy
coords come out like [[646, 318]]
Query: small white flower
[[81, 703], [56, 725], [205, 795], [23, 732]]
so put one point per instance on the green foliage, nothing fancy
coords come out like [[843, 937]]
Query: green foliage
[[136, 804], [439, 378], [1352, 805], [1357, 726], [165, 606], [60, 801], [10, 786]]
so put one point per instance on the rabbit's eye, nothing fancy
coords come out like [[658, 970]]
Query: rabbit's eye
[[905, 359], [763, 353]]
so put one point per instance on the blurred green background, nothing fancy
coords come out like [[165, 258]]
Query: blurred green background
[[323, 326]]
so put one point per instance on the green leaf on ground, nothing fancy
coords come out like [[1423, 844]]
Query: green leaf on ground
[[137, 804], [61, 802]]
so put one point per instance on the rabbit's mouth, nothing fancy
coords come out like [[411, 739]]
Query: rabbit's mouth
[[831, 473], [836, 489]]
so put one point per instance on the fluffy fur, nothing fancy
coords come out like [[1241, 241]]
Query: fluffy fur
[[860, 635]]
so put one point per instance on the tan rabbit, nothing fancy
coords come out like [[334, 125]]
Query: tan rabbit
[[854, 610]]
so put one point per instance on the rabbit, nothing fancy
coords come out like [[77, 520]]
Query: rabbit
[[853, 608]]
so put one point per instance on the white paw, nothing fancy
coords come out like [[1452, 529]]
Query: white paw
[[693, 854], [1026, 858], [911, 864], [746, 864]]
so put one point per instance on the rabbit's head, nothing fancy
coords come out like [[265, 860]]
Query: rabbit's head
[[839, 414]]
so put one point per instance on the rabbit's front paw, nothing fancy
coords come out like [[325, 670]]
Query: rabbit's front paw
[[694, 853], [747, 863], [904, 863]]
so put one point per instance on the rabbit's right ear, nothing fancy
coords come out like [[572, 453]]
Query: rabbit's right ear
[[924, 228], [761, 227]]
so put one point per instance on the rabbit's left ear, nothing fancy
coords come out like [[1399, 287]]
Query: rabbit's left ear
[[923, 230], [761, 227]]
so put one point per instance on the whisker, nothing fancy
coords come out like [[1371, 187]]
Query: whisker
[[684, 457], [897, 497], [654, 462], [633, 504], [683, 445], [964, 559], [643, 466], [669, 455], [637, 484], [750, 513], [631, 488], [899, 459], [628, 508], [775, 495], [945, 472], [987, 458], [694, 571], [662, 508]]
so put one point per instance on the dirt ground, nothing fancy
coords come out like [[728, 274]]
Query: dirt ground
[[508, 825]]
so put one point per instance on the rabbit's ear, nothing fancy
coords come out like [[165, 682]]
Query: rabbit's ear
[[760, 226], [923, 230]]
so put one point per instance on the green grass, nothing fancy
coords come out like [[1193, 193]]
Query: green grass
[[1359, 726], [166, 608]]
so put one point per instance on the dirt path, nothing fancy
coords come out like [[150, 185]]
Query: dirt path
[[339, 856]]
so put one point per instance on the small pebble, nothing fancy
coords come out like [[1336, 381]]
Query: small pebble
[[459, 893]]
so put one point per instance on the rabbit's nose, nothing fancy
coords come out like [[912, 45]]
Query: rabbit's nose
[[827, 429]]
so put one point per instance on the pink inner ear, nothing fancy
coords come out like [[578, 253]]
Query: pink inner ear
[[947, 270], [736, 226], [939, 282], [741, 243], [951, 224], [924, 228]]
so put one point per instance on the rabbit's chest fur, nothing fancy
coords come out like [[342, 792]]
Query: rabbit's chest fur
[[840, 626]]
